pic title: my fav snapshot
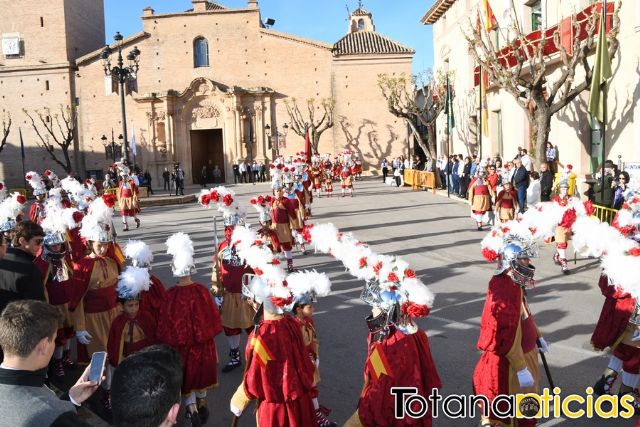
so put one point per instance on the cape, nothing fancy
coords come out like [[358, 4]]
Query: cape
[[115, 344], [614, 316], [152, 299]]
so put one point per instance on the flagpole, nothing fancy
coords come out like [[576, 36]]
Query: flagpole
[[448, 139], [480, 121], [603, 128], [24, 173]]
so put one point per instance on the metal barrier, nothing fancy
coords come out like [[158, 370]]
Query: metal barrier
[[22, 191], [604, 214]]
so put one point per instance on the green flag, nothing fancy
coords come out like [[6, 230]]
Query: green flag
[[601, 73], [448, 109]]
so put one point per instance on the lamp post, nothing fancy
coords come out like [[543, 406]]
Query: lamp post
[[123, 74], [285, 131], [113, 145]]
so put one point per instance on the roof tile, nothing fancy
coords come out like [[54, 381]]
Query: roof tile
[[368, 42]]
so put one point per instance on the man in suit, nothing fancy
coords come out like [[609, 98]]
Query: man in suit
[[520, 182], [546, 182]]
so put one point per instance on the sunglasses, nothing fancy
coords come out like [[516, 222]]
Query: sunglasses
[[39, 241], [622, 177]]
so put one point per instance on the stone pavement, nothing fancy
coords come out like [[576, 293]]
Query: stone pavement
[[438, 238]]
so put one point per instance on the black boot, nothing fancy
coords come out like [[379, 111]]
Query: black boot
[[203, 411], [605, 384], [234, 360], [290, 268], [193, 416]]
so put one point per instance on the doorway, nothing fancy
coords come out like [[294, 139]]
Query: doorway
[[207, 150]]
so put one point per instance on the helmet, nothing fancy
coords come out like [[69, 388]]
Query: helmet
[[53, 238], [234, 219], [514, 251]]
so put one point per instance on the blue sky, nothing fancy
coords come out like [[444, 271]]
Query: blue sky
[[324, 20]]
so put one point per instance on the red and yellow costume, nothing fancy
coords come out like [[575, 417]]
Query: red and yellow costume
[[128, 198], [310, 339], [94, 302], [614, 329], [130, 335], [189, 322], [78, 247], [508, 340], [337, 170], [279, 376], [316, 177], [36, 212], [328, 184], [356, 169], [563, 233], [153, 298], [282, 212], [506, 203], [412, 366], [480, 194], [346, 178]]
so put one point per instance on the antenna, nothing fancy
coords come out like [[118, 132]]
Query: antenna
[[359, 4], [348, 12]]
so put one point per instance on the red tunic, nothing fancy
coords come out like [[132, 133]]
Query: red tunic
[[410, 365], [189, 322], [58, 294], [280, 375], [230, 274], [36, 212], [78, 247], [616, 311], [152, 299], [118, 346]]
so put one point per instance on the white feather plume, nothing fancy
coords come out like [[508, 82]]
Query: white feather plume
[[11, 207], [133, 281], [139, 252]]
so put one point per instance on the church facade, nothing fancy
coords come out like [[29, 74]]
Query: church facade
[[211, 80]]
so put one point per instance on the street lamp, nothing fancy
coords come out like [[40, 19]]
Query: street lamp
[[123, 74], [285, 131], [113, 147]]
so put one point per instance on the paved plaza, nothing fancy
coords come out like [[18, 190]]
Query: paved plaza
[[438, 238]]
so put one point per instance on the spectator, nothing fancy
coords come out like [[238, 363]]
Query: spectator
[[385, 170], [621, 190], [526, 160], [236, 172], [146, 388], [203, 176], [179, 179], [474, 166], [520, 182], [406, 164], [397, 175], [243, 172], [465, 178], [108, 182], [551, 155], [217, 174], [19, 279], [263, 172], [5, 241], [255, 170], [442, 171], [166, 175], [546, 183], [402, 165], [27, 336], [455, 176], [534, 190], [493, 178], [394, 165], [147, 181], [609, 176]]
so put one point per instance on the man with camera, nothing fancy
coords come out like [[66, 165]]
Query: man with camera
[[605, 198], [178, 177]]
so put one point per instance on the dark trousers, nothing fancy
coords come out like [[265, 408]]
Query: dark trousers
[[455, 179], [244, 177], [385, 172], [180, 187], [522, 198], [443, 179], [167, 186], [464, 186]]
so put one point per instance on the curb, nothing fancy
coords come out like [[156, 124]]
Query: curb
[[167, 201]]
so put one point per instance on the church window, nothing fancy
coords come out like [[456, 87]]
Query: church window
[[360, 24], [41, 21], [200, 52]]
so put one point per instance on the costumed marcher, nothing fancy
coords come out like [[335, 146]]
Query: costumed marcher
[[309, 286], [94, 303], [346, 180], [128, 197], [294, 193], [37, 211], [507, 202], [279, 371], [303, 170], [228, 270], [509, 338], [317, 173], [140, 255], [568, 176], [328, 184], [282, 212], [266, 232], [135, 328], [480, 195], [54, 263], [11, 212], [563, 230], [356, 169], [189, 322]]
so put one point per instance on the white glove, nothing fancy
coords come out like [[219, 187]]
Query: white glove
[[219, 301], [83, 337], [525, 378], [236, 411], [317, 362], [636, 336], [543, 346]]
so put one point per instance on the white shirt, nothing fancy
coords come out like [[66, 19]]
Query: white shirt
[[533, 193], [242, 167], [407, 164], [526, 162]]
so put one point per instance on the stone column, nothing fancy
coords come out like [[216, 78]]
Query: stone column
[[259, 132]]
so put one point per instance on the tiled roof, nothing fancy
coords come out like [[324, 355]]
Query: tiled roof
[[361, 12], [215, 6], [438, 9], [368, 42]]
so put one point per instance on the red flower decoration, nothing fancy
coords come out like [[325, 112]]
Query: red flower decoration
[[363, 262], [21, 199], [625, 205], [253, 201], [393, 277], [28, 177], [415, 310], [494, 233], [635, 200], [109, 199], [205, 199], [533, 230], [66, 204], [281, 302], [215, 196], [377, 267], [77, 217], [87, 181], [47, 173], [258, 242], [1, 186], [306, 233], [272, 166], [489, 254], [280, 166], [505, 230], [261, 199], [568, 219], [258, 271], [268, 199], [634, 252], [275, 261], [409, 274], [588, 206], [227, 200]]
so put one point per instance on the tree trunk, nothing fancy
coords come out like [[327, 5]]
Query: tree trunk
[[542, 124], [67, 160], [431, 142]]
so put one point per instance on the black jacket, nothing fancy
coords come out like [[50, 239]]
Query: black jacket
[[609, 192], [521, 178], [546, 185], [19, 278]]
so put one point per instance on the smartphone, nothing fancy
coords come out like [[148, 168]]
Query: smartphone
[[96, 371]]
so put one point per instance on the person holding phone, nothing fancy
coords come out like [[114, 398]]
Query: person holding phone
[[28, 337]]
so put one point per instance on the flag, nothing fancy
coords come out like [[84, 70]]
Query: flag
[[21, 144], [307, 146], [601, 73], [261, 350], [134, 150], [488, 17], [379, 363], [448, 108]]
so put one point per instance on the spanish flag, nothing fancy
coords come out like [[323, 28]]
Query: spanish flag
[[261, 350], [379, 363], [488, 17], [118, 255]]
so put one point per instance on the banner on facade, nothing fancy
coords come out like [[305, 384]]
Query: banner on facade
[[633, 169]]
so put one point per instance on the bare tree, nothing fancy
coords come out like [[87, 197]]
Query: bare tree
[[540, 83], [6, 129], [403, 101], [466, 121], [59, 127], [317, 127]]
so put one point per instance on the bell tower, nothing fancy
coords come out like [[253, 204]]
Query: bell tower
[[361, 20]]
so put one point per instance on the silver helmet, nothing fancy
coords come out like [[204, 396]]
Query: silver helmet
[[512, 255]]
